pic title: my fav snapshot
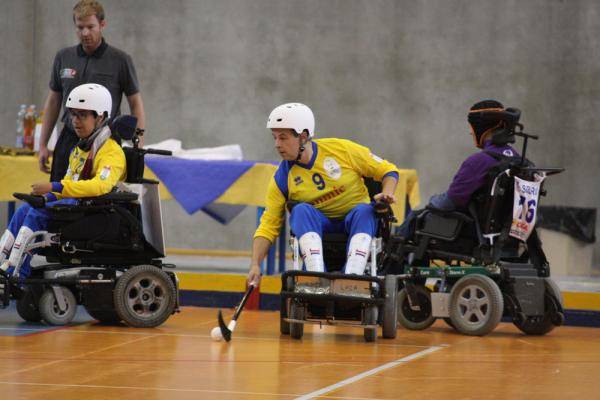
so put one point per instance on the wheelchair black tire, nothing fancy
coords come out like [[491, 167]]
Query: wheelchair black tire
[[411, 319], [492, 315], [109, 317], [389, 325], [49, 310], [284, 327], [541, 326], [123, 292], [27, 307], [370, 318], [297, 311]]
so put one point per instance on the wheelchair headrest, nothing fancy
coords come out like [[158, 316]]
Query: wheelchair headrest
[[507, 118], [510, 116], [124, 126]]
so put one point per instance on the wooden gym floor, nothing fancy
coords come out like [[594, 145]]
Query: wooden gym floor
[[179, 361]]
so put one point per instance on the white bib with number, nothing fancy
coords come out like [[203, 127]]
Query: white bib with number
[[525, 204]]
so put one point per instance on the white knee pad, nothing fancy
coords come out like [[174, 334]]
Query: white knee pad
[[311, 247], [6, 243], [19, 246], [358, 253]]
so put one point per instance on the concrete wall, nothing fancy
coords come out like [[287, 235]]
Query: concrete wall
[[397, 76]]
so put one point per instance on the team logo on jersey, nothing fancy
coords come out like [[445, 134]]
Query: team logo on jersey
[[105, 172], [298, 180], [508, 153], [68, 73], [376, 158], [332, 168]]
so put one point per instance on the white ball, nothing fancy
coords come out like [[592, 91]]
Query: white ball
[[215, 334]]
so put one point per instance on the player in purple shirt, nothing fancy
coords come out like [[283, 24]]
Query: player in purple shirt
[[492, 134]]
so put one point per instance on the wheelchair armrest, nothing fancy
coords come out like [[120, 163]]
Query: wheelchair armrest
[[112, 197], [382, 209], [34, 201], [441, 224], [449, 214]]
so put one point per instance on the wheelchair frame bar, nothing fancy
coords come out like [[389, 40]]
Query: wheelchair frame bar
[[332, 322], [332, 297], [332, 276]]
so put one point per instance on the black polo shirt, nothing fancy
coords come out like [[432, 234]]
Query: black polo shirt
[[107, 66]]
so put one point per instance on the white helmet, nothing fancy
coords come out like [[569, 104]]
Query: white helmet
[[90, 96], [294, 116]]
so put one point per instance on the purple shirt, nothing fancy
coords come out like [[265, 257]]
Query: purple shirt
[[472, 173]]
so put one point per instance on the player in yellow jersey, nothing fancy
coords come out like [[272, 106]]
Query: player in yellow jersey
[[96, 164], [325, 176]]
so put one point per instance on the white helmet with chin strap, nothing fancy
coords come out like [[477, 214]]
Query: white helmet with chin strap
[[294, 116], [90, 96]]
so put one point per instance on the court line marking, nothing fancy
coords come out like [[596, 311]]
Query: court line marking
[[172, 334], [370, 372], [163, 389]]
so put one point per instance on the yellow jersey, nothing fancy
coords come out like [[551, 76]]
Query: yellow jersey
[[332, 182], [109, 167]]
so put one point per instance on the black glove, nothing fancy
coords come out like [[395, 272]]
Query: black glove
[[34, 200]]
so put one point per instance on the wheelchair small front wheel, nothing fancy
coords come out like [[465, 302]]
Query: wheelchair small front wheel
[[389, 328], [284, 326], [27, 307], [297, 312], [370, 318], [50, 310], [144, 296], [418, 317]]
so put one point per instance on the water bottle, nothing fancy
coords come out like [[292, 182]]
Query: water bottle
[[20, 125], [37, 136], [29, 127]]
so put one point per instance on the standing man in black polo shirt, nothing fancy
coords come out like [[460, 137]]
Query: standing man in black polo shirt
[[91, 61]]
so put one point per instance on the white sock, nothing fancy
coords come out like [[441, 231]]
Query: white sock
[[19, 246], [358, 253], [6, 243], [311, 248]]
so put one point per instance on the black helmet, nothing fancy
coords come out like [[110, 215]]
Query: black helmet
[[491, 115]]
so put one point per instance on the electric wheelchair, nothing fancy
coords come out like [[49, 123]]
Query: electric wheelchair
[[334, 298], [473, 268], [103, 253]]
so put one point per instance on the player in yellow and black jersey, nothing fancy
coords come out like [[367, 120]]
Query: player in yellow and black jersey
[[326, 177], [96, 164]]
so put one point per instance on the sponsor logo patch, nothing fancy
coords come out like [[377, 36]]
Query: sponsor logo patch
[[332, 168], [68, 73], [297, 180], [329, 195], [508, 153]]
